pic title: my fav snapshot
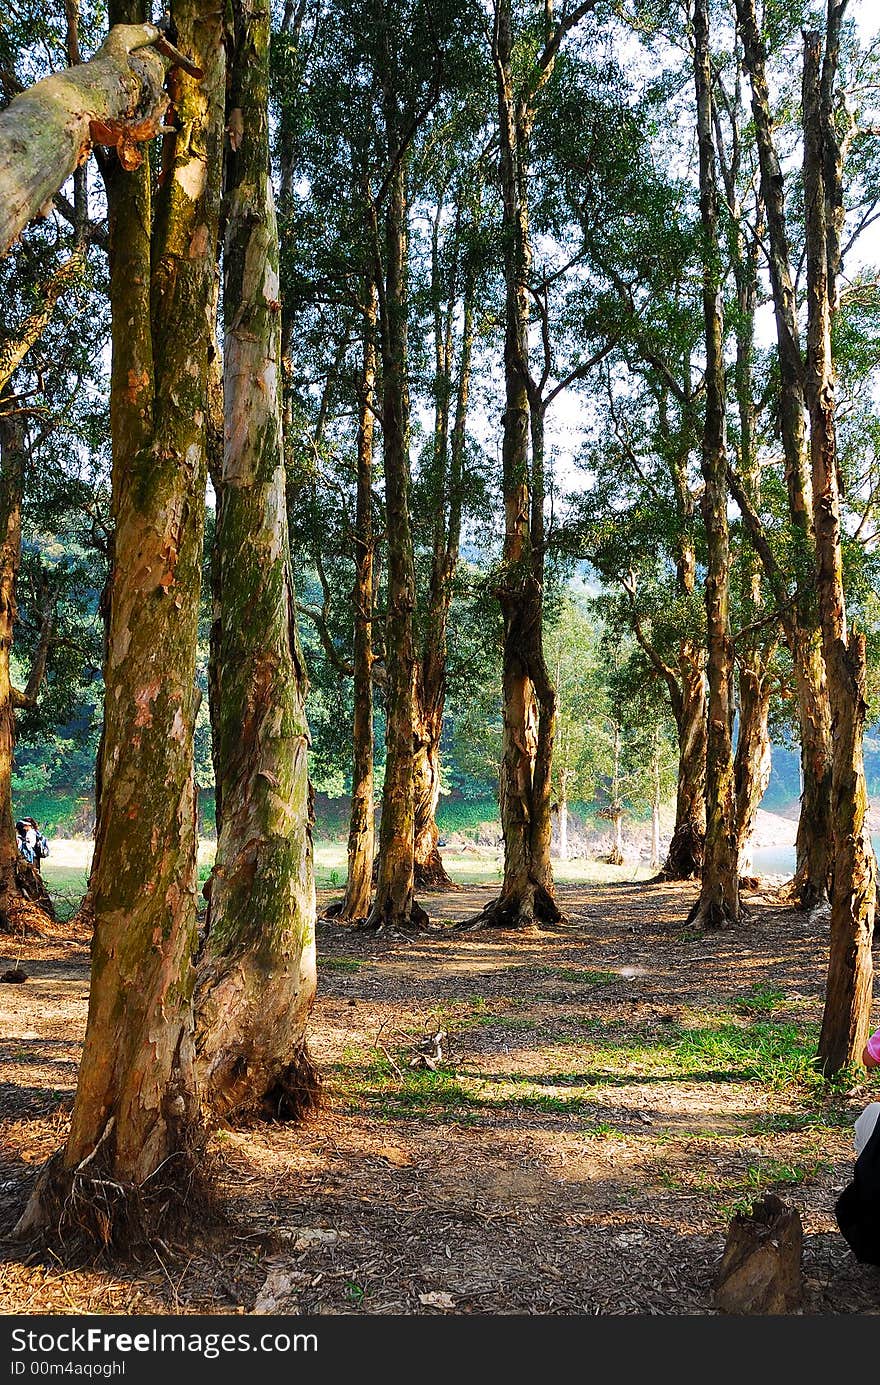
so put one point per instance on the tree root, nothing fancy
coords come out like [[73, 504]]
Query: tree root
[[714, 916], [87, 1209], [684, 859], [384, 918], [431, 874], [535, 908], [298, 1092]]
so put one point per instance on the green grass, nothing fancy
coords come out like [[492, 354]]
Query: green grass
[[349, 964], [580, 976], [761, 998]]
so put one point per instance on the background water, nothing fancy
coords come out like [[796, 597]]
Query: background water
[[779, 860]]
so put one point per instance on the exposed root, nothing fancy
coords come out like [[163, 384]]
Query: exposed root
[[87, 1209], [25, 904], [384, 918], [801, 894], [431, 874], [714, 916], [536, 908], [297, 1094], [684, 859], [335, 910]]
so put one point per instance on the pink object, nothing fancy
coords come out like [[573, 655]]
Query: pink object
[[874, 1046]]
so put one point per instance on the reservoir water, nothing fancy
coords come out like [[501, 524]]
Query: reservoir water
[[779, 860]]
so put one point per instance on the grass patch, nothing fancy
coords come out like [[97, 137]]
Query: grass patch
[[347, 964], [580, 976], [760, 998]]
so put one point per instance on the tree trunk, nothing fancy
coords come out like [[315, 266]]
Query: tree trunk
[[135, 1110], [19, 881], [655, 814], [528, 696], [753, 759], [563, 817], [616, 856], [361, 832], [684, 857], [430, 691], [256, 968], [394, 905], [810, 885], [48, 130], [814, 844], [848, 995], [718, 905]]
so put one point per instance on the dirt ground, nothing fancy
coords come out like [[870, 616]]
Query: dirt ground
[[603, 1103]]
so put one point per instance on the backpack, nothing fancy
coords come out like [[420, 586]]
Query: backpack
[[42, 847], [858, 1208]]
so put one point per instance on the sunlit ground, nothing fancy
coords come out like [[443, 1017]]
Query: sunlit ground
[[67, 867]]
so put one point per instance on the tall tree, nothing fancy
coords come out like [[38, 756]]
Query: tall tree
[[528, 695], [846, 1016], [718, 904], [135, 1109], [256, 967], [794, 597]]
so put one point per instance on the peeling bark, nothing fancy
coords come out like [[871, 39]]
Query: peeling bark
[[47, 131], [256, 968]]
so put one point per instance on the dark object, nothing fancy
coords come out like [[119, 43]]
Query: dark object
[[760, 1270], [14, 974], [858, 1208]]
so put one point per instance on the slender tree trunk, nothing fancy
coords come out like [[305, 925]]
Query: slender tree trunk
[[684, 857], [655, 812], [135, 1110], [718, 905], [449, 457], [563, 815], [810, 885], [528, 696], [361, 832], [616, 856], [394, 904], [256, 969], [753, 759], [18, 879], [848, 995]]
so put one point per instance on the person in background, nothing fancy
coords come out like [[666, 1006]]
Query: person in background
[[871, 1055], [31, 842], [857, 1210]]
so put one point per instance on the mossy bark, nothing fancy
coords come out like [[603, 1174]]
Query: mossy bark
[[256, 968], [718, 904], [848, 994], [117, 98], [135, 1107]]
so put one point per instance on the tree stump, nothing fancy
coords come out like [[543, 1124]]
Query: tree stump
[[760, 1270]]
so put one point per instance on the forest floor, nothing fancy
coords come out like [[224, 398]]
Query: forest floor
[[611, 1093]]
